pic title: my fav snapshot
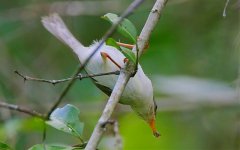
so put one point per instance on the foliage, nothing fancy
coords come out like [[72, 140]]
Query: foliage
[[127, 29], [4, 146], [125, 51], [51, 147], [66, 119]]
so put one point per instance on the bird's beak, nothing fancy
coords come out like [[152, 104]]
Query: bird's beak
[[152, 124]]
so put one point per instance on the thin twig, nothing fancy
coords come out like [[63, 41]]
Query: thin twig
[[125, 75], [54, 82], [118, 142], [21, 109], [112, 29], [80, 146], [44, 135], [225, 8], [118, 139]]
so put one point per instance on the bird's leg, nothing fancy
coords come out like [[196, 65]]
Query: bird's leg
[[125, 60], [130, 46], [105, 55]]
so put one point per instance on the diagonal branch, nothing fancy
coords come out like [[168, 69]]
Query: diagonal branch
[[21, 109], [125, 75], [126, 13]]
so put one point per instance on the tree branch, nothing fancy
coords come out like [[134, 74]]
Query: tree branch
[[54, 82], [115, 129], [21, 109], [125, 75], [225, 8], [126, 13]]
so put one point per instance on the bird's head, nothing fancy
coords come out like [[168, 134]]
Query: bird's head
[[148, 114]]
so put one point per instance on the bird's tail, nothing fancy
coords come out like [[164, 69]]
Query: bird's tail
[[54, 24]]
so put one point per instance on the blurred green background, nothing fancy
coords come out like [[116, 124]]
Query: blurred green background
[[192, 61]]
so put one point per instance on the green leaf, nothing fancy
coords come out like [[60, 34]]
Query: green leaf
[[125, 51], [128, 54], [126, 28], [51, 147], [4, 146], [113, 43], [67, 120]]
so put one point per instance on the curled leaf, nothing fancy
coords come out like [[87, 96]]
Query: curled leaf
[[126, 28], [125, 51], [67, 120]]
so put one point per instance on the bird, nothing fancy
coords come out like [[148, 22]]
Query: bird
[[138, 92]]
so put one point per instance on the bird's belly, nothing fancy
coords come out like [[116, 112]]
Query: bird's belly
[[134, 91], [98, 65], [125, 101]]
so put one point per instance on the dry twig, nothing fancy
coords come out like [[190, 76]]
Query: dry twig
[[54, 82], [21, 109], [225, 8]]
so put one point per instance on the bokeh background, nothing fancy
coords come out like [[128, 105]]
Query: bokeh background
[[192, 61]]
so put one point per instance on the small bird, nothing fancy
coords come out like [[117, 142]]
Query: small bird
[[138, 92]]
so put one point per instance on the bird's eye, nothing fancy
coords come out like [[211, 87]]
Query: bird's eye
[[155, 109], [155, 106]]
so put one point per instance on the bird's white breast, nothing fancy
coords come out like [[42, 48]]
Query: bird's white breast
[[139, 88]]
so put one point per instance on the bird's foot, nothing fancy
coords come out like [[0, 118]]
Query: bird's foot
[[105, 55]]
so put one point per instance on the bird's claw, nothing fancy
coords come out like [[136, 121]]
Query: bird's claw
[[156, 134]]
